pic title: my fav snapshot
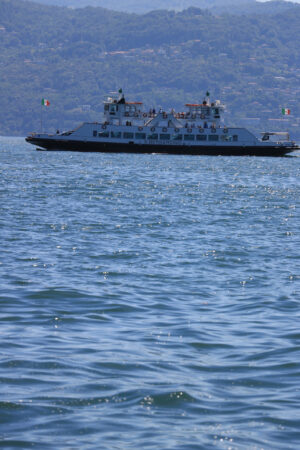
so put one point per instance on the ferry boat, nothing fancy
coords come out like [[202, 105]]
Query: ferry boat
[[127, 128]]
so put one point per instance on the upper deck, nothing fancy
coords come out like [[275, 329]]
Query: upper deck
[[118, 111]]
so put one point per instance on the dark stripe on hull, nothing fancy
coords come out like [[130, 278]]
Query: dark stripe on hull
[[108, 147]]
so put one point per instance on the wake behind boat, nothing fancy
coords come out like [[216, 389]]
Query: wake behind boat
[[127, 128]]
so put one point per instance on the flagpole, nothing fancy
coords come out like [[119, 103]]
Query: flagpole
[[44, 102]]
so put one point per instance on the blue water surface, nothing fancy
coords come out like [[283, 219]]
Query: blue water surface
[[148, 301]]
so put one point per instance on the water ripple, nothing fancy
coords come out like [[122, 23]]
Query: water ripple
[[148, 301]]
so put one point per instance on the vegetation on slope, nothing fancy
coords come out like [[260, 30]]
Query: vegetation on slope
[[74, 57]]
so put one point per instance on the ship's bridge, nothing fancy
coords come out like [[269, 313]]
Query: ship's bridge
[[116, 109], [205, 111]]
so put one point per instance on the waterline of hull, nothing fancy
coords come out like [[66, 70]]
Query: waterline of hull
[[112, 147]]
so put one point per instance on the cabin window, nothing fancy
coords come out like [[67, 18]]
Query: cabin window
[[106, 107], [177, 137], [217, 113], [103, 134], [153, 136], [140, 135], [189, 137], [115, 134], [235, 138], [201, 137], [224, 138], [164, 137], [128, 135], [95, 133], [213, 137]]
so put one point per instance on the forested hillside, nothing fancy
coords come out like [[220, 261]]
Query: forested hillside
[[74, 57]]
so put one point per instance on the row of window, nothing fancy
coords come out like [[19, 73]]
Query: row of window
[[164, 136]]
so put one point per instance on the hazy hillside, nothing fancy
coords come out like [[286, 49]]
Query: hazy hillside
[[265, 8], [142, 6], [74, 57], [215, 6]]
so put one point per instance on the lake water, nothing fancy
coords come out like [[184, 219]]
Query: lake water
[[148, 301]]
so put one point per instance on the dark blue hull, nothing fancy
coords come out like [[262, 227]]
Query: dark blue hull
[[109, 147]]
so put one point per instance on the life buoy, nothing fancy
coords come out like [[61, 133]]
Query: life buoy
[[176, 130], [225, 130], [144, 115], [189, 130], [127, 114], [140, 128], [136, 115], [201, 130], [165, 129], [153, 129], [103, 127], [213, 130], [202, 116]]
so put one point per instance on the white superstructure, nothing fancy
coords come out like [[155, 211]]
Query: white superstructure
[[127, 127]]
